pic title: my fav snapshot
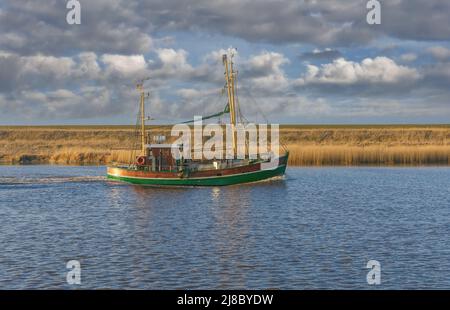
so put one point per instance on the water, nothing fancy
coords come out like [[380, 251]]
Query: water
[[317, 228]]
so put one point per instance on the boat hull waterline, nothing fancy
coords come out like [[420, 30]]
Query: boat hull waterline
[[254, 174]]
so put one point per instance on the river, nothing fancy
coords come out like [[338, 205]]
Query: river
[[316, 228]]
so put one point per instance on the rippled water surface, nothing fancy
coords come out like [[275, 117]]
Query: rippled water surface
[[316, 228]]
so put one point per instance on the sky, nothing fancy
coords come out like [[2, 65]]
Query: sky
[[306, 62]]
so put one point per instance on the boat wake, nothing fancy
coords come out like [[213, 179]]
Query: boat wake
[[50, 180]]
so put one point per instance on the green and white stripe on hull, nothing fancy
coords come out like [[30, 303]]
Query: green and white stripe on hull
[[205, 181]]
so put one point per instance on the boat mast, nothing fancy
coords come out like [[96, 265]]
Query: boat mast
[[230, 78], [140, 88]]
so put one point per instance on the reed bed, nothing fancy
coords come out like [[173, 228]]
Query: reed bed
[[347, 155], [308, 145]]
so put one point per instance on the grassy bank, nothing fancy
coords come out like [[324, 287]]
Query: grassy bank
[[309, 145]]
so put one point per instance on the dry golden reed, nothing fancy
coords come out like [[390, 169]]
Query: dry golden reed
[[308, 145], [346, 155]]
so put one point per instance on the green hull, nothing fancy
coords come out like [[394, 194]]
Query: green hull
[[207, 181]]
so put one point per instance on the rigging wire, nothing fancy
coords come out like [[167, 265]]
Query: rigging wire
[[260, 111], [250, 96], [189, 121], [241, 117]]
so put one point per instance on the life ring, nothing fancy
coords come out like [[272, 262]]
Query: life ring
[[140, 160]]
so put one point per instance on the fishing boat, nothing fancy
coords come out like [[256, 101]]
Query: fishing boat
[[156, 164]]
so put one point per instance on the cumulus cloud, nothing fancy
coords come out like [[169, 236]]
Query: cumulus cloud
[[60, 103], [379, 70], [51, 69], [128, 66], [48, 66], [43, 71], [265, 71], [55, 87], [83, 85], [172, 63], [87, 85], [88, 66]]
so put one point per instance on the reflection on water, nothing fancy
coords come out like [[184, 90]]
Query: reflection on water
[[231, 228], [316, 228]]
